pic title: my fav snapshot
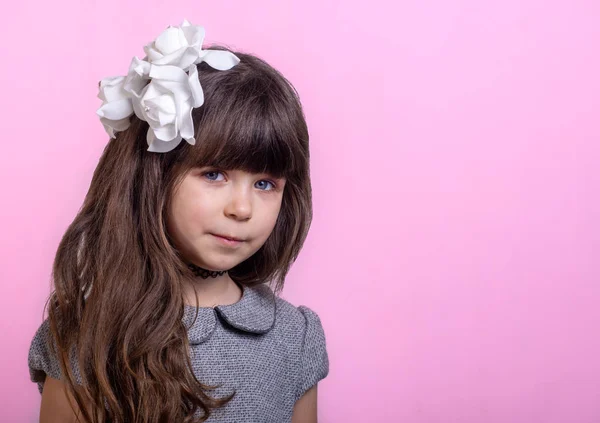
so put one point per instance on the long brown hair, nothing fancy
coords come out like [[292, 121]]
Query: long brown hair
[[118, 297]]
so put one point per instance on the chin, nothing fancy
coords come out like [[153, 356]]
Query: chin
[[217, 265]]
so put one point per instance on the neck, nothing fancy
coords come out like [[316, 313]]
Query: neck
[[220, 290]]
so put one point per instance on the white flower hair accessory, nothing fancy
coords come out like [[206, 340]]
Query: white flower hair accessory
[[162, 88]]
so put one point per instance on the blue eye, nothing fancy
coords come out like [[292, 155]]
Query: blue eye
[[268, 182], [212, 172], [209, 175]]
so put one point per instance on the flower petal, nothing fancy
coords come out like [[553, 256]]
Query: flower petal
[[220, 59], [111, 80], [113, 126], [166, 133], [137, 108], [141, 67], [170, 40], [166, 118], [116, 110], [164, 103], [168, 73], [158, 146], [151, 53], [187, 126], [194, 35], [151, 91], [179, 92], [182, 58], [117, 125], [111, 89], [137, 77], [195, 87]]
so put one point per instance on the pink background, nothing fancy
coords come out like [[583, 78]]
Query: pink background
[[453, 258]]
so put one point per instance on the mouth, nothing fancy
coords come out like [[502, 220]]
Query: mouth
[[228, 238]]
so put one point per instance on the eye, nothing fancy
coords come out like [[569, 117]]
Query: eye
[[210, 174], [268, 182], [263, 184]]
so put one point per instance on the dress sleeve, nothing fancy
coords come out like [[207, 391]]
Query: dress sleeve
[[41, 361], [314, 357]]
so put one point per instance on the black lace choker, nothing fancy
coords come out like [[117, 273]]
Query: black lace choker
[[204, 273]]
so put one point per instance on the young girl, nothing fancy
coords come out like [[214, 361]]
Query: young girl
[[161, 310]]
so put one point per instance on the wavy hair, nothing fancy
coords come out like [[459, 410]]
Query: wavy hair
[[118, 297]]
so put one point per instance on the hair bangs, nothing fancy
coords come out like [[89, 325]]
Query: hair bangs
[[253, 130]]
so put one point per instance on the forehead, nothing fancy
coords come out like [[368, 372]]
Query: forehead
[[261, 131], [248, 156]]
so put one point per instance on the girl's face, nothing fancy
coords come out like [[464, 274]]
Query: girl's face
[[233, 203]]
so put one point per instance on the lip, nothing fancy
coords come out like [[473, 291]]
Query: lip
[[228, 241], [228, 237]]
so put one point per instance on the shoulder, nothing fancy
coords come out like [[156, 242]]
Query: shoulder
[[41, 359], [296, 320], [292, 320], [301, 329]]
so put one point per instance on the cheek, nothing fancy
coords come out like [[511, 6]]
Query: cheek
[[269, 223], [189, 208], [274, 217], [193, 211]]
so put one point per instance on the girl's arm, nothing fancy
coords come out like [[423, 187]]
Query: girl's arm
[[305, 409], [55, 405]]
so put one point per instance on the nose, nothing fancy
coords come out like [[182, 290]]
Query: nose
[[239, 205]]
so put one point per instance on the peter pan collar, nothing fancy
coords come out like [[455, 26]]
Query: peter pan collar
[[253, 313]]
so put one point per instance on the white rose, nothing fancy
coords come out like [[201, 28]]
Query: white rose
[[137, 77], [116, 105], [177, 46], [163, 88], [182, 46], [166, 103]]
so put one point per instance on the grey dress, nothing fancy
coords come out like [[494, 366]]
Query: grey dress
[[263, 347]]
